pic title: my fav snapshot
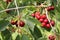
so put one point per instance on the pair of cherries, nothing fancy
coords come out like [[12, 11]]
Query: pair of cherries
[[51, 37], [20, 23], [43, 19], [49, 8]]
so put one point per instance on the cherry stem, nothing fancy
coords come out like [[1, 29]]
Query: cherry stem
[[9, 4], [17, 10]]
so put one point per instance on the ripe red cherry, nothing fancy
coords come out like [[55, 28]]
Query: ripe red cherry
[[13, 22], [41, 20], [46, 20], [48, 26], [52, 7], [33, 15], [37, 13], [43, 24], [52, 23], [43, 16], [21, 23], [51, 37], [37, 16], [49, 8], [7, 11]]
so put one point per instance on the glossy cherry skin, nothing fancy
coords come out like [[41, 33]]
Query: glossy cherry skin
[[43, 16], [48, 26], [21, 23], [41, 20], [46, 20], [43, 24]]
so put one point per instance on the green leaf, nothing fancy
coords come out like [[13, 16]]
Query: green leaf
[[54, 2], [57, 15], [3, 24], [6, 35], [18, 37], [14, 35], [25, 37], [3, 4], [36, 33], [30, 24], [35, 21], [42, 38]]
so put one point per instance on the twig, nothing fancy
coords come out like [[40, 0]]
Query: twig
[[17, 10], [53, 29], [20, 8]]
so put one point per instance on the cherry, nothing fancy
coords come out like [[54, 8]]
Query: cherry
[[7, 11], [13, 22], [52, 7], [43, 24], [46, 20], [21, 23], [48, 26], [52, 23], [43, 16], [49, 8], [37, 16], [37, 13], [33, 15], [41, 20], [51, 37]]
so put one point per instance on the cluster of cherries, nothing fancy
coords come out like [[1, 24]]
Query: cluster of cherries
[[20, 23], [52, 37], [43, 19]]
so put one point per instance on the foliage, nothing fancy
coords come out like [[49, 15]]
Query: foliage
[[32, 29]]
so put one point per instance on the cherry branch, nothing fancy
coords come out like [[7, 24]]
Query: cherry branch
[[16, 7], [53, 29], [21, 7]]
